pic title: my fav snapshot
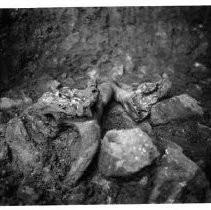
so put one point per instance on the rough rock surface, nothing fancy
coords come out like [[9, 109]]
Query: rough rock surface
[[176, 108], [124, 152], [175, 177], [138, 103], [71, 103]]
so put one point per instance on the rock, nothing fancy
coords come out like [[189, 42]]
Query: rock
[[90, 135], [138, 103], [24, 153], [7, 103], [175, 108], [146, 127], [68, 102], [64, 75], [178, 179], [193, 140], [204, 132], [124, 152]]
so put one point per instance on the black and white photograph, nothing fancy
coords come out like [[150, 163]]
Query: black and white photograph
[[104, 105]]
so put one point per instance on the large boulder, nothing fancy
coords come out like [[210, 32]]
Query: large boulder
[[178, 179], [124, 152], [175, 108]]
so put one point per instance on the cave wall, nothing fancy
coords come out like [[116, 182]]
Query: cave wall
[[140, 40]]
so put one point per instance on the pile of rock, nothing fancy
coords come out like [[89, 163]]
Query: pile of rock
[[54, 141]]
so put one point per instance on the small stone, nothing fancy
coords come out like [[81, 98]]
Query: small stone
[[64, 75], [143, 180], [175, 108], [124, 152], [146, 127]]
